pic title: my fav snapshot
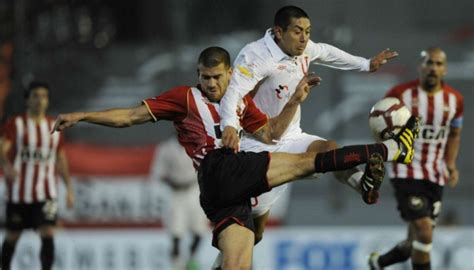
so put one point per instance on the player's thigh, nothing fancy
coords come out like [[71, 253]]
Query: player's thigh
[[236, 244], [259, 222], [285, 167]]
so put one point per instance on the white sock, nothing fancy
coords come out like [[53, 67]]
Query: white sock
[[217, 262], [354, 180], [350, 178], [392, 149]]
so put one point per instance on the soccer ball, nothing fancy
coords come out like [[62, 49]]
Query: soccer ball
[[387, 117]]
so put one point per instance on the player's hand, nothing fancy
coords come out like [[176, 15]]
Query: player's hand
[[66, 120], [453, 176], [381, 59], [230, 138], [303, 87], [70, 199]]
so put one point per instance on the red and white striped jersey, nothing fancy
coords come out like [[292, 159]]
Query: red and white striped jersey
[[197, 120], [33, 155], [438, 112]]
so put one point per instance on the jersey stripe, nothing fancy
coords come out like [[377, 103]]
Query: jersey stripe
[[207, 120], [18, 164], [36, 164]]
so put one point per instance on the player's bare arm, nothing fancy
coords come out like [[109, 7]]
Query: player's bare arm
[[112, 118], [63, 170], [277, 125], [381, 59], [452, 150], [8, 170]]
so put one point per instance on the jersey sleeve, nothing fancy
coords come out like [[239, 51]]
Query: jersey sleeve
[[8, 130], [457, 121], [249, 68], [328, 55], [253, 119], [171, 105]]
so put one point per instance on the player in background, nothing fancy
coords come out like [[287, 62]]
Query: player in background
[[272, 67], [419, 186], [175, 168], [30, 157], [228, 179]]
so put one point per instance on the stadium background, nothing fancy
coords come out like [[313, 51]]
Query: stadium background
[[104, 53]]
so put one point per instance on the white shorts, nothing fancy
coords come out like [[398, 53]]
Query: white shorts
[[294, 143], [185, 213]]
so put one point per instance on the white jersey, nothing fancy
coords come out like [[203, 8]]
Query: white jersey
[[174, 164], [264, 60]]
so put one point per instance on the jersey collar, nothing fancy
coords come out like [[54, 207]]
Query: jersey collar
[[276, 52]]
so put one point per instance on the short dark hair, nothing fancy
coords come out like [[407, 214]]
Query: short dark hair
[[426, 52], [33, 85], [284, 15], [213, 56]]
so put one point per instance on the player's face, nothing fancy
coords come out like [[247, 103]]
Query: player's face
[[38, 100], [433, 68], [293, 40], [214, 80]]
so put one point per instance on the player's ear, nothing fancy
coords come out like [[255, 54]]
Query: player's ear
[[230, 71], [278, 32], [197, 72]]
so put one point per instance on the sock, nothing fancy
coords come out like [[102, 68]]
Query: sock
[[398, 253], [392, 149], [47, 253], [350, 178], [347, 157], [421, 266], [195, 244], [7, 254], [175, 247]]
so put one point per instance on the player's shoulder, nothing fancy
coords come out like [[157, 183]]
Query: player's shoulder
[[399, 89], [452, 90], [255, 50], [13, 118]]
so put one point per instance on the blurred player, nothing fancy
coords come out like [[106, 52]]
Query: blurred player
[[419, 186], [228, 179], [29, 157], [175, 168], [275, 64]]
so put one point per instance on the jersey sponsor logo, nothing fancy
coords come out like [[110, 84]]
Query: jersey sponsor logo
[[282, 91], [351, 157], [281, 67], [245, 71], [433, 133], [34, 156]]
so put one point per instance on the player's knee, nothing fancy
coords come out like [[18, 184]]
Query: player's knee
[[322, 146], [236, 263], [331, 145], [46, 231], [424, 230]]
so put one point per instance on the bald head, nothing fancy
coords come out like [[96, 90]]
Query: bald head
[[432, 68]]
